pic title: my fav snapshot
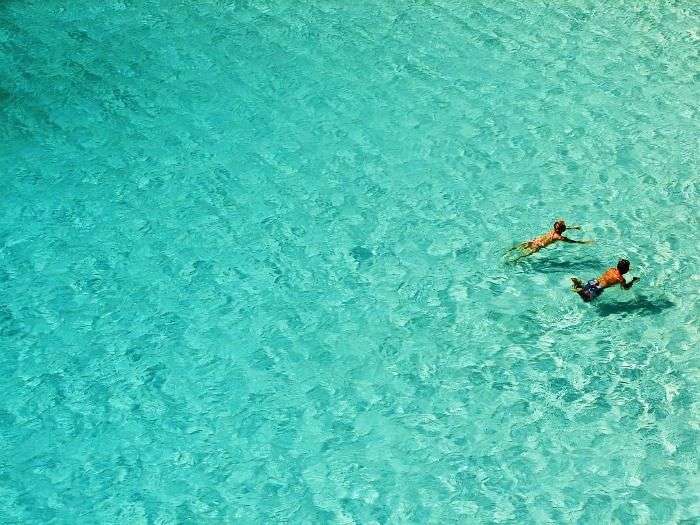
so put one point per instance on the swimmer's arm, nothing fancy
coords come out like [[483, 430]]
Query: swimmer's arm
[[627, 285], [573, 227], [573, 241]]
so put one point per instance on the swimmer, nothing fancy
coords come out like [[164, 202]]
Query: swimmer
[[536, 244], [611, 277]]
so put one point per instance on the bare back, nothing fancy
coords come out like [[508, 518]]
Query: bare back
[[544, 240]]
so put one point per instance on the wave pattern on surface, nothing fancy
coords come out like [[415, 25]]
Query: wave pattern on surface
[[251, 268]]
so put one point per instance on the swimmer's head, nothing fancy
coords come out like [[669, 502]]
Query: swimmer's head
[[560, 227], [623, 266]]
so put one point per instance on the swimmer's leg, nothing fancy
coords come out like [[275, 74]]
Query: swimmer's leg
[[528, 249], [578, 288], [520, 245]]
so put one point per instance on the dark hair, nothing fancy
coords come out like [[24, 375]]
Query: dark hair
[[623, 265], [559, 225]]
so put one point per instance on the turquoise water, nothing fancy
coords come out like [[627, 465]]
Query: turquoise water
[[250, 262]]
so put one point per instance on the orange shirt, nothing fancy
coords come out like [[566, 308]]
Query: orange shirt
[[610, 277]]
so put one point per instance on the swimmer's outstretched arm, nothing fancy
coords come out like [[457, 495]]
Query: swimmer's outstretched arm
[[627, 285], [573, 227], [573, 241]]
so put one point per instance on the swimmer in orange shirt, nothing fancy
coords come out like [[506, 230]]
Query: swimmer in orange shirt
[[536, 244], [611, 277]]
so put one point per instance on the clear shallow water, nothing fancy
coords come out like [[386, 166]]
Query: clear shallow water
[[250, 262]]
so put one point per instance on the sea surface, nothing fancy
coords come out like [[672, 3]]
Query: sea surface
[[251, 262]]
